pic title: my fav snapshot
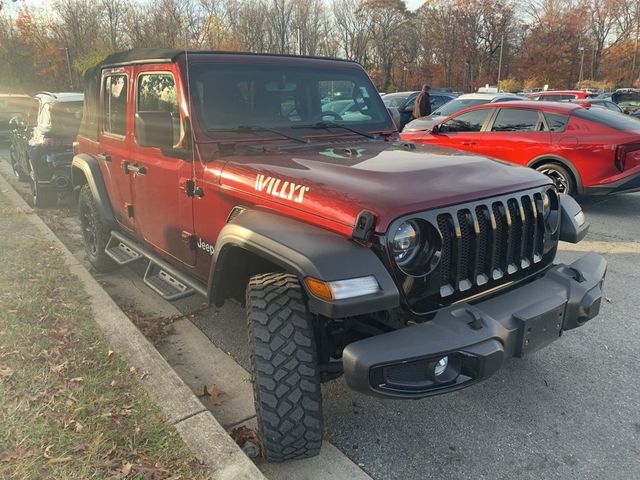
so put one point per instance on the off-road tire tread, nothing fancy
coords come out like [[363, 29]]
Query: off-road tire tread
[[286, 378], [100, 261]]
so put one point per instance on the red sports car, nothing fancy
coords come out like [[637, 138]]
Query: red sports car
[[584, 150]]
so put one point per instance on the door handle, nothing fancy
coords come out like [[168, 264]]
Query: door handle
[[104, 156], [135, 168], [467, 143]]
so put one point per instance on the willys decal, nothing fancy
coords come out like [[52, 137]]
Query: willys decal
[[281, 189]]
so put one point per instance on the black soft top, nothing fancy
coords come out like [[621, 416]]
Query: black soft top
[[136, 56]]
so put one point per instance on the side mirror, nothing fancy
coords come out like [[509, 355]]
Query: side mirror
[[435, 129], [154, 129]]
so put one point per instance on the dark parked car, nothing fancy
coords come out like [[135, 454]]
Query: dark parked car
[[463, 101], [413, 271], [10, 106], [598, 103], [628, 99], [404, 102], [583, 150], [42, 145]]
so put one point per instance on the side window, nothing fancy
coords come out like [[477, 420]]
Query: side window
[[114, 105], [556, 122], [467, 122], [157, 93], [516, 120]]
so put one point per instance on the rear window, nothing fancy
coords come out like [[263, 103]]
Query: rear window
[[64, 118], [619, 121], [556, 122]]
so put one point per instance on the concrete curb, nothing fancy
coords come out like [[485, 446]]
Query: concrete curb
[[206, 438]]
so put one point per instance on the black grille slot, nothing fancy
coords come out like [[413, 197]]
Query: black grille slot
[[488, 243], [446, 230], [516, 233], [466, 262]]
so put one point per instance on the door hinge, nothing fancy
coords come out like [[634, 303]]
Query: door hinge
[[189, 238]]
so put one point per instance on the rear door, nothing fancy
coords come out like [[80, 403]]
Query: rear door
[[464, 131], [162, 208], [115, 142], [517, 135]]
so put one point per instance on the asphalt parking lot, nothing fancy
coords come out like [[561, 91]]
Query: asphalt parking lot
[[570, 411]]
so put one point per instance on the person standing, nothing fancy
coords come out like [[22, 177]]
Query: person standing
[[422, 107]]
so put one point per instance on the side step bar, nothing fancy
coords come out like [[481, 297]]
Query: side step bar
[[162, 277]]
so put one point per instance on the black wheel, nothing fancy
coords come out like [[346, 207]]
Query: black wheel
[[17, 171], [286, 380], [95, 233], [561, 177], [41, 196]]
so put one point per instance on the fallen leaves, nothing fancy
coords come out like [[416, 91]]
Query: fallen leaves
[[52, 459], [248, 440], [17, 453], [6, 373], [214, 394]]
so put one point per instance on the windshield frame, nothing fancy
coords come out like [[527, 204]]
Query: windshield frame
[[211, 132]]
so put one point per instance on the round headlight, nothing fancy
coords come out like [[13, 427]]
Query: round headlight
[[405, 243], [546, 205]]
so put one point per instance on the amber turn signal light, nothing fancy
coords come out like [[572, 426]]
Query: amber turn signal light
[[319, 288]]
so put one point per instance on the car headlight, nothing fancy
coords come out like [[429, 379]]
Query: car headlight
[[546, 205], [406, 243]]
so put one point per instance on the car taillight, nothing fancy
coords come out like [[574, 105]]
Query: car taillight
[[621, 154], [75, 146]]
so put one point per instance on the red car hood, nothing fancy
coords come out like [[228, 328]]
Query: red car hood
[[331, 186]]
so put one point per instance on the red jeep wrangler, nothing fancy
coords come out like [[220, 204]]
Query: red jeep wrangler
[[411, 270]]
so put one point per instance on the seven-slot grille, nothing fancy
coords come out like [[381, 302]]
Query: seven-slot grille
[[489, 241]]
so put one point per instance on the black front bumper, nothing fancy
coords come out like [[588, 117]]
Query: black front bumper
[[478, 338]]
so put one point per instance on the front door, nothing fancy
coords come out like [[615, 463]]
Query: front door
[[464, 131], [115, 143], [517, 135], [162, 209]]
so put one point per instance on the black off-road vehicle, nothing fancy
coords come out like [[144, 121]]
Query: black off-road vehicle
[[410, 270]]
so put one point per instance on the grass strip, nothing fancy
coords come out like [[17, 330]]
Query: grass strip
[[69, 407]]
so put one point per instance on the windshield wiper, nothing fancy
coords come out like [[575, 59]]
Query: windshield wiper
[[329, 125], [258, 128]]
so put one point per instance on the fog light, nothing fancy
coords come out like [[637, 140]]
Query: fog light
[[444, 369], [441, 366]]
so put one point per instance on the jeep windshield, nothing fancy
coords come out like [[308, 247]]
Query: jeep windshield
[[294, 100]]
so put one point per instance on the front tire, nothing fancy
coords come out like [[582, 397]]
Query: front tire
[[561, 177], [286, 379], [95, 233]]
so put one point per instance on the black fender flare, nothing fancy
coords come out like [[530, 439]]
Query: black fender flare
[[552, 158], [306, 251], [85, 167]]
